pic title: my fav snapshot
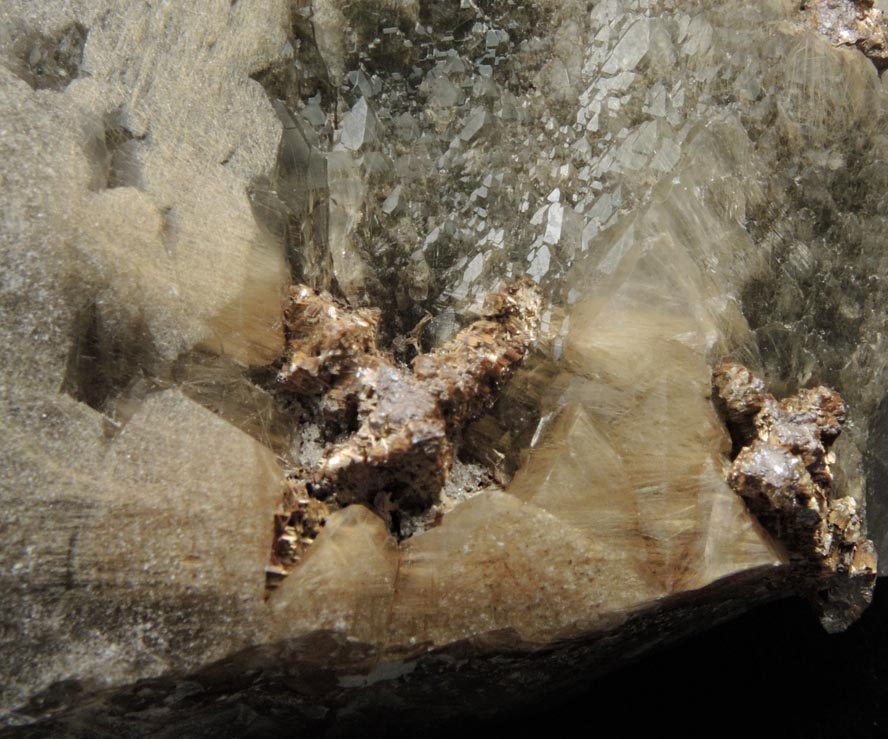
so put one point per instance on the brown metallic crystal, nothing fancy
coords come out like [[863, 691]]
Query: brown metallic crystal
[[400, 450], [782, 471], [299, 521], [326, 339], [465, 373]]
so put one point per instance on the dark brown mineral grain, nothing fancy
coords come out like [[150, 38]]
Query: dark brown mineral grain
[[465, 373], [299, 521], [327, 338]]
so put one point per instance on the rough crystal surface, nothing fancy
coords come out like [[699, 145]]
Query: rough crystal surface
[[783, 472], [109, 537], [400, 449]]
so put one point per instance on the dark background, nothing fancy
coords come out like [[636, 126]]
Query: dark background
[[772, 672]]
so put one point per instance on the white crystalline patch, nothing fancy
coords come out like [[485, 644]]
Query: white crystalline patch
[[479, 193], [684, 22], [605, 12], [495, 236], [443, 93], [476, 121], [657, 101], [699, 36], [667, 156], [621, 82], [539, 263], [313, 113], [537, 218], [630, 49], [603, 208], [433, 236], [359, 80], [595, 56], [558, 78], [454, 65], [495, 38], [472, 272], [359, 126], [596, 217], [582, 149], [639, 147], [554, 224], [391, 203], [609, 263]]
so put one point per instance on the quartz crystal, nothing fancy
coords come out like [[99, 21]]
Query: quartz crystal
[[685, 184]]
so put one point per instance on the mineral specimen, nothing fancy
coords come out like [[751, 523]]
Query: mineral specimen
[[401, 425], [297, 523], [683, 181], [327, 340], [782, 471], [853, 22]]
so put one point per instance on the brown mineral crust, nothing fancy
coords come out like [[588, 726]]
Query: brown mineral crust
[[852, 552], [739, 396], [806, 423], [401, 445], [783, 473], [853, 23], [853, 557], [466, 372], [295, 527], [793, 426], [778, 489], [399, 452], [326, 339], [824, 406]]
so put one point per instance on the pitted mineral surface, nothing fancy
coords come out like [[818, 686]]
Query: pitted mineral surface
[[783, 472], [400, 425], [465, 373], [854, 23], [327, 339]]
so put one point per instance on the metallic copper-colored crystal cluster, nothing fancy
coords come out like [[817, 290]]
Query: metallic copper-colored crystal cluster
[[399, 425], [781, 468]]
